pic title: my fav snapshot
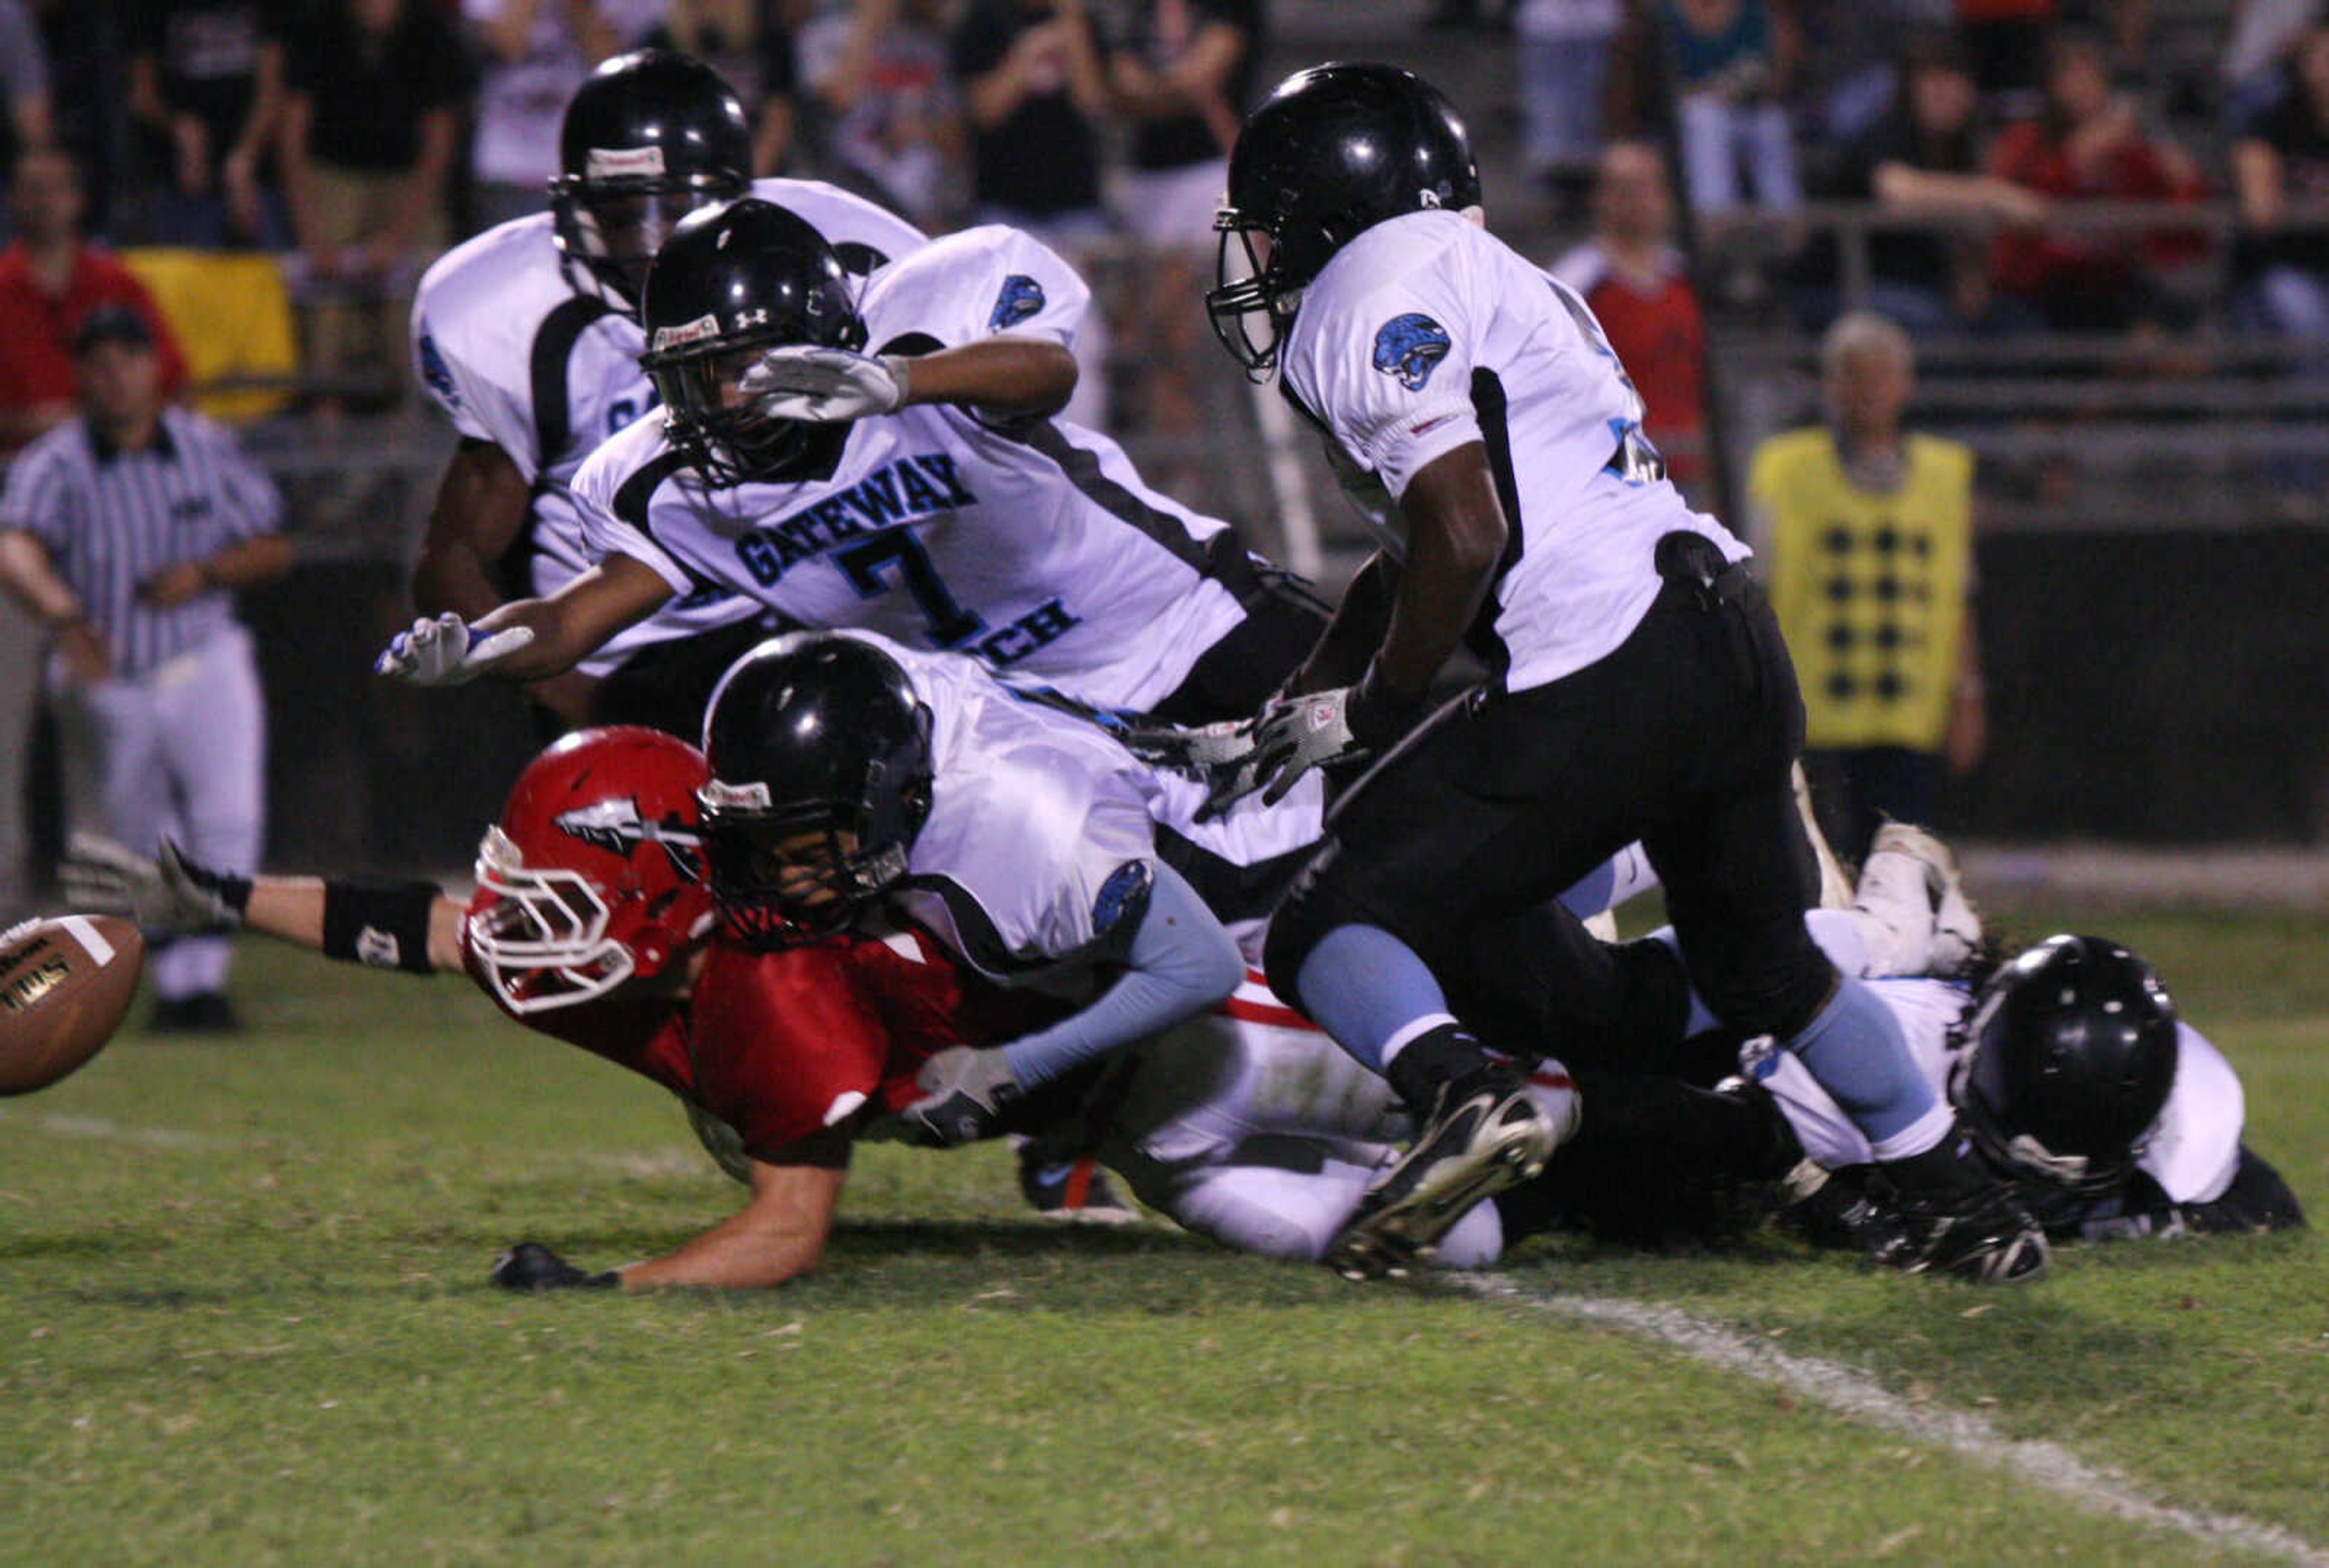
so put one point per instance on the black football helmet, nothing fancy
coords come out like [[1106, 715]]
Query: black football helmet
[[810, 737], [2068, 1059], [648, 138], [730, 282], [1331, 153]]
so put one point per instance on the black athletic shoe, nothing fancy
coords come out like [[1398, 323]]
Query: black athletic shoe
[[1986, 1238], [204, 1012], [1487, 1132], [1075, 1191]]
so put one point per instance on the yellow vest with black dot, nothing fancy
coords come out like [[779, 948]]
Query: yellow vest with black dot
[[1869, 587]]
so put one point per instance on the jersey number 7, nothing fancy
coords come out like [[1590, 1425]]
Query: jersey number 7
[[866, 564]]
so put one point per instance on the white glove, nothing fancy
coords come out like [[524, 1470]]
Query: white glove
[[168, 896], [825, 386], [964, 1094], [446, 651]]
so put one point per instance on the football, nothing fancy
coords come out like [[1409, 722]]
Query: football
[[64, 985]]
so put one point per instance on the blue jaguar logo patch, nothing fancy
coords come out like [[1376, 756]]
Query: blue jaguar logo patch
[[437, 373], [1123, 896], [1410, 347], [1022, 297]]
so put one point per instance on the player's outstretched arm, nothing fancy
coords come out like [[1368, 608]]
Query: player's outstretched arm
[[401, 925], [530, 639], [1180, 961], [777, 1236], [1003, 376]]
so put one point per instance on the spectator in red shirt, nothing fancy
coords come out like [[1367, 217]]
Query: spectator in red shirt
[[2090, 145], [50, 278], [1633, 277]]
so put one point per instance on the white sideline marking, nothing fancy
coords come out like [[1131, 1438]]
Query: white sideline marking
[[2047, 1465], [97, 1127]]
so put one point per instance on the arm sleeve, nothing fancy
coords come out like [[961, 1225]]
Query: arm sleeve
[[604, 534], [449, 363], [1388, 372], [978, 284], [1181, 963]]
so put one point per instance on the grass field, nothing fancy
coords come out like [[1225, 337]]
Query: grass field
[[245, 1321]]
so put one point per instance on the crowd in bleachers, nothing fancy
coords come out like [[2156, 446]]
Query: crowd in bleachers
[[1989, 148]]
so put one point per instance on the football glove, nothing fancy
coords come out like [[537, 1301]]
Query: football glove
[[964, 1093], [823, 386], [1296, 734], [446, 651], [169, 895], [530, 1266]]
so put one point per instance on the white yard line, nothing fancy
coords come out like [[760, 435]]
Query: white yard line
[[97, 1127], [1857, 1396]]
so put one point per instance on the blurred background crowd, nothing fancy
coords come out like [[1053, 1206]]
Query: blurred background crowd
[[2050, 276]]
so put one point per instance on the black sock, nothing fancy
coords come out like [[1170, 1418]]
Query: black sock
[[1431, 1059], [1942, 1171]]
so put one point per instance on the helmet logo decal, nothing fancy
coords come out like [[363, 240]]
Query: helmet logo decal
[[755, 316], [687, 332], [1022, 297], [617, 826], [753, 795], [623, 163], [1411, 348], [1427, 197]]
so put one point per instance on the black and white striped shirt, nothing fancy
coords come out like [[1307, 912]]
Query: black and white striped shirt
[[109, 520]]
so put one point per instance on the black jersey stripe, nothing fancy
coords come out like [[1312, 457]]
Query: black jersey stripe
[[553, 346], [1222, 558], [1489, 407]]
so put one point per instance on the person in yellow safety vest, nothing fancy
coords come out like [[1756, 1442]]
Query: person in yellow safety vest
[[1866, 537]]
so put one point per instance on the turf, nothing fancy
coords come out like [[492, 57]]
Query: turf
[[245, 1321]]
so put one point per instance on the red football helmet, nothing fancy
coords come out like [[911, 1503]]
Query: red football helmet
[[595, 874]]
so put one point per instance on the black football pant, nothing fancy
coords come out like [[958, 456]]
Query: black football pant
[[1234, 677], [1684, 737]]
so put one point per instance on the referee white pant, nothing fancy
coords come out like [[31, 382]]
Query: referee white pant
[[179, 751]]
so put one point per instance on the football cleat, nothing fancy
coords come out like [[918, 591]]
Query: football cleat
[[1984, 1238], [1074, 1191], [1489, 1130]]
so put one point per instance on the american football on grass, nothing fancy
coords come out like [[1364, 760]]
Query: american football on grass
[[64, 987]]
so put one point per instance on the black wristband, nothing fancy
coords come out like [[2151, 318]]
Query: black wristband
[[382, 924]]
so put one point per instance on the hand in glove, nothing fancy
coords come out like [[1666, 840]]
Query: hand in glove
[[169, 895], [532, 1267], [825, 385], [964, 1093], [1296, 734], [446, 651]]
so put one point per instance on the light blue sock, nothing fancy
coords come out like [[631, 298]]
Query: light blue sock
[[1590, 895], [1369, 990], [1856, 1050]]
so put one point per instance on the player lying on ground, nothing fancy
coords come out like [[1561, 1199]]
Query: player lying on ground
[[1243, 1124], [2069, 1067], [921, 490]]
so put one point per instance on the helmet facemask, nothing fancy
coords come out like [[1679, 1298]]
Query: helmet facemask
[[1250, 306], [797, 874], [540, 935], [613, 225], [727, 434]]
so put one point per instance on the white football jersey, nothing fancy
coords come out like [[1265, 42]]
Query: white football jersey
[[1032, 545], [2195, 1148], [1044, 831], [1426, 332], [514, 356]]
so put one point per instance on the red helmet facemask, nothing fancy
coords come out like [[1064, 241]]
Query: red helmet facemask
[[595, 875]]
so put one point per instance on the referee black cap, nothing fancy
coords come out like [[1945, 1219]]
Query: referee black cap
[[111, 324]]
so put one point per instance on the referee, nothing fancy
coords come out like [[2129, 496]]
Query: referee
[[123, 531]]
